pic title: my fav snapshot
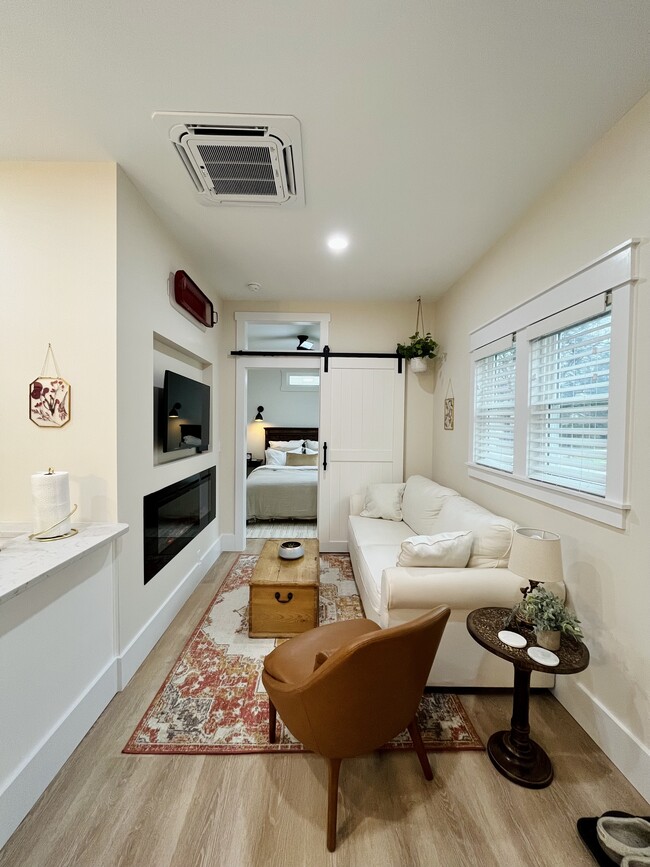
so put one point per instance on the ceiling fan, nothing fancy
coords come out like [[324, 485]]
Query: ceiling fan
[[304, 342]]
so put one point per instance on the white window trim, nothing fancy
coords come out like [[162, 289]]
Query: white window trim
[[244, 318], [615, 272]]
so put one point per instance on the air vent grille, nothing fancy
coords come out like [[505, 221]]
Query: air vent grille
[[239, 171], [239, 159]]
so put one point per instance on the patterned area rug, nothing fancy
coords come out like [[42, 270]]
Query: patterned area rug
[[213, 700]]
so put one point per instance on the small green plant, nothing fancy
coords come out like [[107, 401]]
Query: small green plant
[[547, 613], [419, 347]]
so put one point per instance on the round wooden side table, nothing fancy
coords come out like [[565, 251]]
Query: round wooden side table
[[513, 753]]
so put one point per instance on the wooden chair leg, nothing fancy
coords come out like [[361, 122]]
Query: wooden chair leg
[[416, 737], [272, 720], [332, 801]]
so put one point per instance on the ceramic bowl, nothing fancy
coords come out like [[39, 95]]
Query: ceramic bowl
[[623, 836], [291, 550], [636, 861]]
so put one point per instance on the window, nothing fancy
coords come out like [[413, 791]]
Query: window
[[300, 380], [549, 408], [494, 409]]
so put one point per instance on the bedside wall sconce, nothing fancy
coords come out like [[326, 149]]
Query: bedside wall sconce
[[259, 416], [173, 412]]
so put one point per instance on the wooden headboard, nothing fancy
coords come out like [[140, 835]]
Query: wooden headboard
[[289, 433]]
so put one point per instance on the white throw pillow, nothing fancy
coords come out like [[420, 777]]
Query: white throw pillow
[[278, 457], [450, 550], [311, 444], [285, 445], [383, 501], [307, 451]]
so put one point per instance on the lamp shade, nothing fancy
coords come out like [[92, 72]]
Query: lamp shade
[[536, 555]]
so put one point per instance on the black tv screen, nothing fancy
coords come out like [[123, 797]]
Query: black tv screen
[[185, 413]]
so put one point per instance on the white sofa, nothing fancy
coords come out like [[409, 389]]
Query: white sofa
[[394, 594]]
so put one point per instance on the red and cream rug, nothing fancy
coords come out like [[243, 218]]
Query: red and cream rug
[[213, 701]]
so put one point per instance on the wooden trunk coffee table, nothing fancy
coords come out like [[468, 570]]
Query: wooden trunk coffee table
[[284, 593]]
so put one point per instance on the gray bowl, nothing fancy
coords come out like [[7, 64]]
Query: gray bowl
[[620, 837], [635, 861]]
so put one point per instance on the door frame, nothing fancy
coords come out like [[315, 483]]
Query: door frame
[[244, 364]]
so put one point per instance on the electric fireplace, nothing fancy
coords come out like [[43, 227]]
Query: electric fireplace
[[173, 517]]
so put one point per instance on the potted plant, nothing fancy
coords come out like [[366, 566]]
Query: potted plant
[[418, 350], [549, 617]]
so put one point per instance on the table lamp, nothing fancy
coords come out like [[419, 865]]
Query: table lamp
[[536, 555]]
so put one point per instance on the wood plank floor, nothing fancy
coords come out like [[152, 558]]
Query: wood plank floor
[[106, 809], [281, 530]]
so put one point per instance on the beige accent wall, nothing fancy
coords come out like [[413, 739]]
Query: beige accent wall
[[354, 327], [57, 285], [603, 201]]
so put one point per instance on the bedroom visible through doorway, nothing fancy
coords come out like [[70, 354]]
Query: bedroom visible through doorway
[[282, 450]]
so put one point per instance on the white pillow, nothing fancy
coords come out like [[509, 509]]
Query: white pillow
[[450, 550], [278, 457], [383, 501], [311, 444], [285, 445], [306, 451]]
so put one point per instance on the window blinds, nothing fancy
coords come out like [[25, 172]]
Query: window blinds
[[494, 410], [568, 406]]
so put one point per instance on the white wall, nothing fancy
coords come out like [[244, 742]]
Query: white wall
[[284, 408], [146, 257], [57, 285], [602, 201], [354, 327]]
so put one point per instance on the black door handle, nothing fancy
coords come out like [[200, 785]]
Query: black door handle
[[324, 456]]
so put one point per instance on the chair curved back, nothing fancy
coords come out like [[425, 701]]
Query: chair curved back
[[366, 692]]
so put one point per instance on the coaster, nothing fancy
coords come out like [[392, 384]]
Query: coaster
[[512, 639], [542, 656]]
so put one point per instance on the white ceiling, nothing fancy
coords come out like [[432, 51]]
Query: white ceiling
[[428, 126]]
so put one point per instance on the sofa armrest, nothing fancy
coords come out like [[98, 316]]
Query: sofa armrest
[[356, 503], [460, 589]]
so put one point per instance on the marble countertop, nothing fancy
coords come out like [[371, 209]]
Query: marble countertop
[[24, 562]]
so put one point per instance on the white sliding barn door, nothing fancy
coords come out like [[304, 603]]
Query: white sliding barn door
[[361, 437]]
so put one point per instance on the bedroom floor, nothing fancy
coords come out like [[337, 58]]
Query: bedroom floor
[[281, 530]]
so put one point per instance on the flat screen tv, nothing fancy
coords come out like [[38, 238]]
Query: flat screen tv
[[185, 413]]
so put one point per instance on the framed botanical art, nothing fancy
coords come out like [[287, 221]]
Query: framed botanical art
[[49, 397]]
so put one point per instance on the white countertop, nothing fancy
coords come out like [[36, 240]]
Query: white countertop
[[24, 562]]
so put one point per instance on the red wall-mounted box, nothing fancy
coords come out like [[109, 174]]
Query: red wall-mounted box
[[190, 298]]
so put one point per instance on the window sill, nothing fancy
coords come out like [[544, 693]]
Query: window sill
[[597, 509]]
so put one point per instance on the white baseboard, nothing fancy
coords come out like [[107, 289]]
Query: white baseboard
[[141, 646], [229, 542], [625, 750], [46, 760]]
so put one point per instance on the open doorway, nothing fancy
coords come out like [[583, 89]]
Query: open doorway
[[282, 447]]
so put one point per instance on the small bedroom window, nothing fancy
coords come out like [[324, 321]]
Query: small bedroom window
[[550, 392], [300, 380]]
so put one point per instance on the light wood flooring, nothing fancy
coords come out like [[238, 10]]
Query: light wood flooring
[[281, 530], [105, 809]]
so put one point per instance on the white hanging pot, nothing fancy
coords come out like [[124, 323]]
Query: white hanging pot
[[419, 365]]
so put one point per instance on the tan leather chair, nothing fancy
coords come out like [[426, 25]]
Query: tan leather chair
[[347, 688]]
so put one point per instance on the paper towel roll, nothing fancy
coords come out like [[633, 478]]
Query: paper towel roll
[[51, 504]]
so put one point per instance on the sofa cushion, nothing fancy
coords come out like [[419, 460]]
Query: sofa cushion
[[372, 560], [383, 501], [450, 550], [370, 531], [421, 504], [492, 534]]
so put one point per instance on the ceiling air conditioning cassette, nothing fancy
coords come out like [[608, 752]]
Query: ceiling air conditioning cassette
[[236, 159]]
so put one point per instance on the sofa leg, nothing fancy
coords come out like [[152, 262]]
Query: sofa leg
[[272, 720], [416, 737]]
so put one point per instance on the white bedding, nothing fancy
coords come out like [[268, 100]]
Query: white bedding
[[282, 492]]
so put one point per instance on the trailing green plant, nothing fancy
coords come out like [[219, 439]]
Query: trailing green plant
[[548, 613], [419, 347]]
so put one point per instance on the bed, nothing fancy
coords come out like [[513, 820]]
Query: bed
[[282, 492]]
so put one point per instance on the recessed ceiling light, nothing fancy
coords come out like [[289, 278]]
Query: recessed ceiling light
[[337, 242]]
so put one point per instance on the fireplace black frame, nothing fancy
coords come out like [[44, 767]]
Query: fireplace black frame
[[160, 547]]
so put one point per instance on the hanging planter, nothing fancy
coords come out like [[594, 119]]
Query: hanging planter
[[422, 346]]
